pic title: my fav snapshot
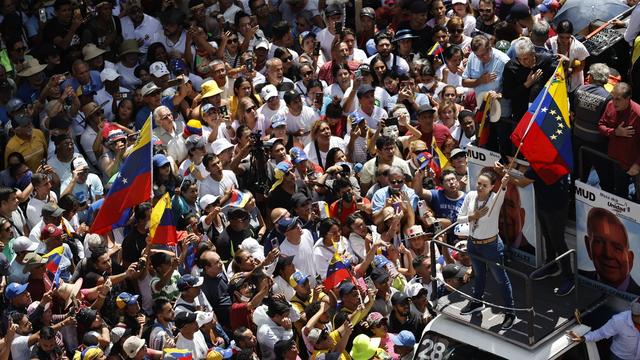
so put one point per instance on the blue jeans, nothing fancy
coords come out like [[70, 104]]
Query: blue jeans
[[495, 253]]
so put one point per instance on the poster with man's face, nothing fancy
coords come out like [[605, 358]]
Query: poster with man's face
[[608, 239], [517, 222]]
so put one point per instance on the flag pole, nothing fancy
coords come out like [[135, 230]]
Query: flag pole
[[533, 118]]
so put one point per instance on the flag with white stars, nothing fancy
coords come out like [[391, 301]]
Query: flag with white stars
[[544, 132]]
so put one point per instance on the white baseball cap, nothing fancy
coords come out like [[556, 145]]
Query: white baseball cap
[[158, 69], [108, 74], [132, 345], [268, 92], [220, 145]]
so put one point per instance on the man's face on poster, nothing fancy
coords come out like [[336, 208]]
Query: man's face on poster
[[608, 248], [512, 217]]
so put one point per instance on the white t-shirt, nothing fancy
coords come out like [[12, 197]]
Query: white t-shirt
[[265, 111], [303, 254], [178, 47], [182, 170], [86, 141], [303, 121], [402, 67], [322, 254], [577, 51], [103, 97], [325, 38], [81, 191], [145, 31], [217, 188], [197, 346], [358, 56], [334, 142], [34, 208], [127, 77], [372, 121], [63, 169], [20, 348]]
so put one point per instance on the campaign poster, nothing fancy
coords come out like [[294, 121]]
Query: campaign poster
[[608, 241], [517, 222]]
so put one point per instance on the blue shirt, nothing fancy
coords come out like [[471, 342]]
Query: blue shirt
[[445, 207], [380, 198], [626, 338], [475, 68], [27, 94], [94, 81], [144, 112]]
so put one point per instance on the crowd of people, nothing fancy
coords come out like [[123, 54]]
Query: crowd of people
[[311, 150]]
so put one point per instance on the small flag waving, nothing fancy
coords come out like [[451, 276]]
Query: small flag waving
[[337, 272], [482, 121], [544, 132], [53, 263], [177, 354], [438, 160], [161, 227], [237, 199], [435, 50]]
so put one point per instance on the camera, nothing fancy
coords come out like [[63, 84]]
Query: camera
[[256, 139]]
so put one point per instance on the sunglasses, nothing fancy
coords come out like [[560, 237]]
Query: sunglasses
[[20, 49], [250, 109], [232, 40], [418, 152], [384, 173], [308, 73], [458, 31], [396, 182], [287, 59]]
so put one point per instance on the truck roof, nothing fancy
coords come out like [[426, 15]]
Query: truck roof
[[498, 345]]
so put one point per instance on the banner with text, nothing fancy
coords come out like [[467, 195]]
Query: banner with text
[[607, 240]]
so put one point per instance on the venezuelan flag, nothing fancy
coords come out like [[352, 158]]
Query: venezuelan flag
[[131, 187], [161, 228], [337, 272], [543, 135], [482, 119], [238, 199], [436, 49], [439, 160], [177, 354]]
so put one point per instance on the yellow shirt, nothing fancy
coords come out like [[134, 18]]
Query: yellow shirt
[[335, 336], [33, 150]]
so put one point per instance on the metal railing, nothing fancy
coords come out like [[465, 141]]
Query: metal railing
[[526, 278]]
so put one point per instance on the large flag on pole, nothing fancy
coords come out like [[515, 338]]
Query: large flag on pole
[[482, 121], [161, 227], [544, 132], [131, 187], [337, 271]]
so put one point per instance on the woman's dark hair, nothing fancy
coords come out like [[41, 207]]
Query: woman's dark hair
[[140, 212], [451, 51], [239, 15], [141, 67], [325, 226], [376, 81], [505, 31], [489, 174], [331, 154], [280, 51], [158, 259], [565, 27], [151, 52], [334, 111], [351, 219], [121, 104], [314, 83], [68, 202], [337, 66]]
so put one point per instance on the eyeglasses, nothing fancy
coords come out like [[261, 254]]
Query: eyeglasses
[[308, 73], [396, 182], [20, 49], [384, 173], [485, 10], [287, 59], [458, 31], [418, 152], [250, 109], [165, 116], [233, 40]]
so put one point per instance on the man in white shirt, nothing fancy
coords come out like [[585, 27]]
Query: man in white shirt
[[272, 103], [219, 182], [190, 337], [395, 64], [299, 117], [333, 14], [173, 36], [42, 195], [298, 242], [368, 109], [167, 128], [139, 26], [278, 326], [83, 184], [111, 80]]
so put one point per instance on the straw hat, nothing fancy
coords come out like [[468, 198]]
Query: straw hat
[[66, 290], [31, 67], [496, 110], [91, 51], [210, 88], [129, 46]]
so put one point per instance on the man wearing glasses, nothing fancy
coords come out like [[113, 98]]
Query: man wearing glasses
[[397, 190]]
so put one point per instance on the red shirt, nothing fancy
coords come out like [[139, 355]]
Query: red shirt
[[240, 315], [441, 133], [625, 150], [326, 74], [339, 211]]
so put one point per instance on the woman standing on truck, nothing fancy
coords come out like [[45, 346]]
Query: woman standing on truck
[[481, 209]]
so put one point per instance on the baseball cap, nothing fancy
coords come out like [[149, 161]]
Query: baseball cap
[[291, 95], [457, 151], [183, 318], [52, 210], [32, 260], [424, 108], [281, 169], [268, 92], [451, 271], [193, 127], [278, 120], [150, 88], [356, 118], [207, 107], [519, 11], [218, 353], [314, 335], [132, 345], [158, 69], [379, 261], [109, 74], [14, 104], [379, 275], [346, 288], [453, 2], [375, 318], [160, 160], [50, 231], [364, 89], [297, 278], [194, 142], [174, 353], [399, 298], [220, 145], [21, 120], [207, 200], [261, 44], [332, 10], [404, 338], [283, 260], [286, 224], [298, 155], [413, 289], [23, 243], [124, 299], [79, 163], [14, 290], [367, 11], [188, 281], [299, 199]]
